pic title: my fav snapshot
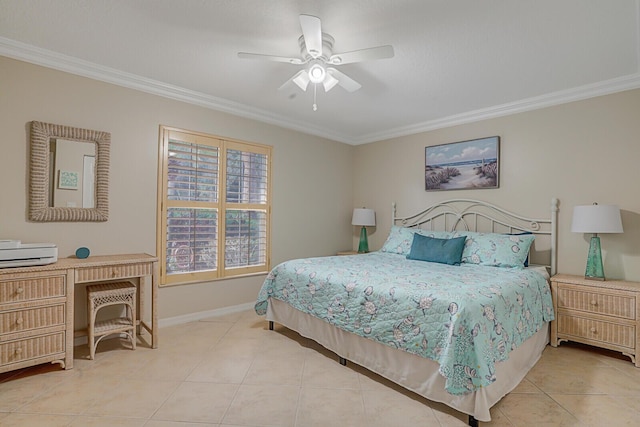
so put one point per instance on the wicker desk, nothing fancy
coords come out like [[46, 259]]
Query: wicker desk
[[37, 305]]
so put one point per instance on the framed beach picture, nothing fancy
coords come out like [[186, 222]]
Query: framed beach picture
[[463, 165]]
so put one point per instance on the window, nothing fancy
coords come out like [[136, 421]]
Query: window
[[205, 233]]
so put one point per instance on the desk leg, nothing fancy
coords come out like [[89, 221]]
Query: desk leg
[[142, 300], [145, 283], [69, 321], [154, 304]]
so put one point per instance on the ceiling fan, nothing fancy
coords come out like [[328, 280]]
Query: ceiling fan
[[316, 52]]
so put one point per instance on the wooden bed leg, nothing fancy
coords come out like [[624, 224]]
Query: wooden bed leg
[[343, 361], [271, 325], [472, 421]]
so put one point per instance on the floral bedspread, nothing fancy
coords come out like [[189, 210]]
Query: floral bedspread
[[465, 317]]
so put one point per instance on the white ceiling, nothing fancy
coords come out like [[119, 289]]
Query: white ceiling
[[455, 60]]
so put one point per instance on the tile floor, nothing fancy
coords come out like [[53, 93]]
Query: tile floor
[[232, 371]]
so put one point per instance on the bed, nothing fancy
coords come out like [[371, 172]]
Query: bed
[[461, 325]]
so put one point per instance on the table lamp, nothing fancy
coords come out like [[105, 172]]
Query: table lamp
[[596, 219], [365, 218]]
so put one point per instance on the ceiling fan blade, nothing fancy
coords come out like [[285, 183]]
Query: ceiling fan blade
[[345, 81], [312, 32], [380, 52], [295, 61]]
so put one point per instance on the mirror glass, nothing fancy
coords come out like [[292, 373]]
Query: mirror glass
[[69, 173], [72, 179]]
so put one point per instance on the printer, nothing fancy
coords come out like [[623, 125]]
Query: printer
[[14, 253]]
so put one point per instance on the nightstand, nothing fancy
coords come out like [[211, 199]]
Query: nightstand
[[600, 313]]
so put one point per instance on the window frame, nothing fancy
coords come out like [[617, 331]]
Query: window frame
[[221, 206]]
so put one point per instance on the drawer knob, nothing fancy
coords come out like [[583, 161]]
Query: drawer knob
[[19, 290], [593, 302], [594, 330], [19, 321], [18, 350]]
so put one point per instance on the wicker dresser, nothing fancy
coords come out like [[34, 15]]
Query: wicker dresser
[[599, 313], [36, 312], [37, 305]]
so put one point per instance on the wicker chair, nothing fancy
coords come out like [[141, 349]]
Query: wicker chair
[[106, 294]]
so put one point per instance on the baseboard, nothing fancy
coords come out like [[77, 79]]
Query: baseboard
[[193, 317], [81, 338]]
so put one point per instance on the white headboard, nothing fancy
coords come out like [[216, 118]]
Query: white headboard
[[475, 215]]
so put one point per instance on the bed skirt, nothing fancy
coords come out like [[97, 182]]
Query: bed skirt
[[412, 372]]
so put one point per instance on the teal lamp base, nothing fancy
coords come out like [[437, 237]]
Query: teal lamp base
[[363, 247], [594, 269]]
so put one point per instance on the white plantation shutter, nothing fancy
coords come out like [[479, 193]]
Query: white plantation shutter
[[191, 240], [246, 240], [213, 214], [246, 177], [246, 207], [192, 172]]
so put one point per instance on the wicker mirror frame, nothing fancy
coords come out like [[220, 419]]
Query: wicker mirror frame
[[39, 185]]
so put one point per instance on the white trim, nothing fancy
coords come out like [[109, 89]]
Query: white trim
[[179, 320], [194, 317], [35, 55], [47, 58], [592, 90]]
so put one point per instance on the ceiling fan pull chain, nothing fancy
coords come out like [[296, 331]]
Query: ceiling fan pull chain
[[315, 106]]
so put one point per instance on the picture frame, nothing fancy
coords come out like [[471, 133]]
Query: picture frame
[[463, 165], [67, 180]]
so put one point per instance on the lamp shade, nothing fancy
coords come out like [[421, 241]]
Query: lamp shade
[[364, 217], [596, 219]]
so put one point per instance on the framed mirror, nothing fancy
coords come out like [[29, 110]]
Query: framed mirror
[[69, 174]]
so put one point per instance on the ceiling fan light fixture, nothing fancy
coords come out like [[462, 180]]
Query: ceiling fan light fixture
[[301, 79], [329, 82], [317, 73]]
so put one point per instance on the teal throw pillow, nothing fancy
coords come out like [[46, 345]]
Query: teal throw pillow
[[443, 251]]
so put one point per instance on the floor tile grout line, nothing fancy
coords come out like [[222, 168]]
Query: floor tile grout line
[[441, 418]]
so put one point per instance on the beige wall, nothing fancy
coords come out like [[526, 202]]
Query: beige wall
[[579, 152], [311, 206]]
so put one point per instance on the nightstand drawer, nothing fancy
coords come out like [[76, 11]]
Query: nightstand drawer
[[596, 330], [598, 302]]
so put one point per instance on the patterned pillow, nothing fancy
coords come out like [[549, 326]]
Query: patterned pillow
[[526, 260], [498, 250], [401, 238]]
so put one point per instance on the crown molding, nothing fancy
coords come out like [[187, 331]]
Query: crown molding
[[35, 55], [593, 90], [50, 59]]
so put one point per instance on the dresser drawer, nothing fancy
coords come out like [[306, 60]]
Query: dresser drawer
[[31, 348], [599, 302], [21, 290], [596, 330], [31, 319], [110, 272]]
